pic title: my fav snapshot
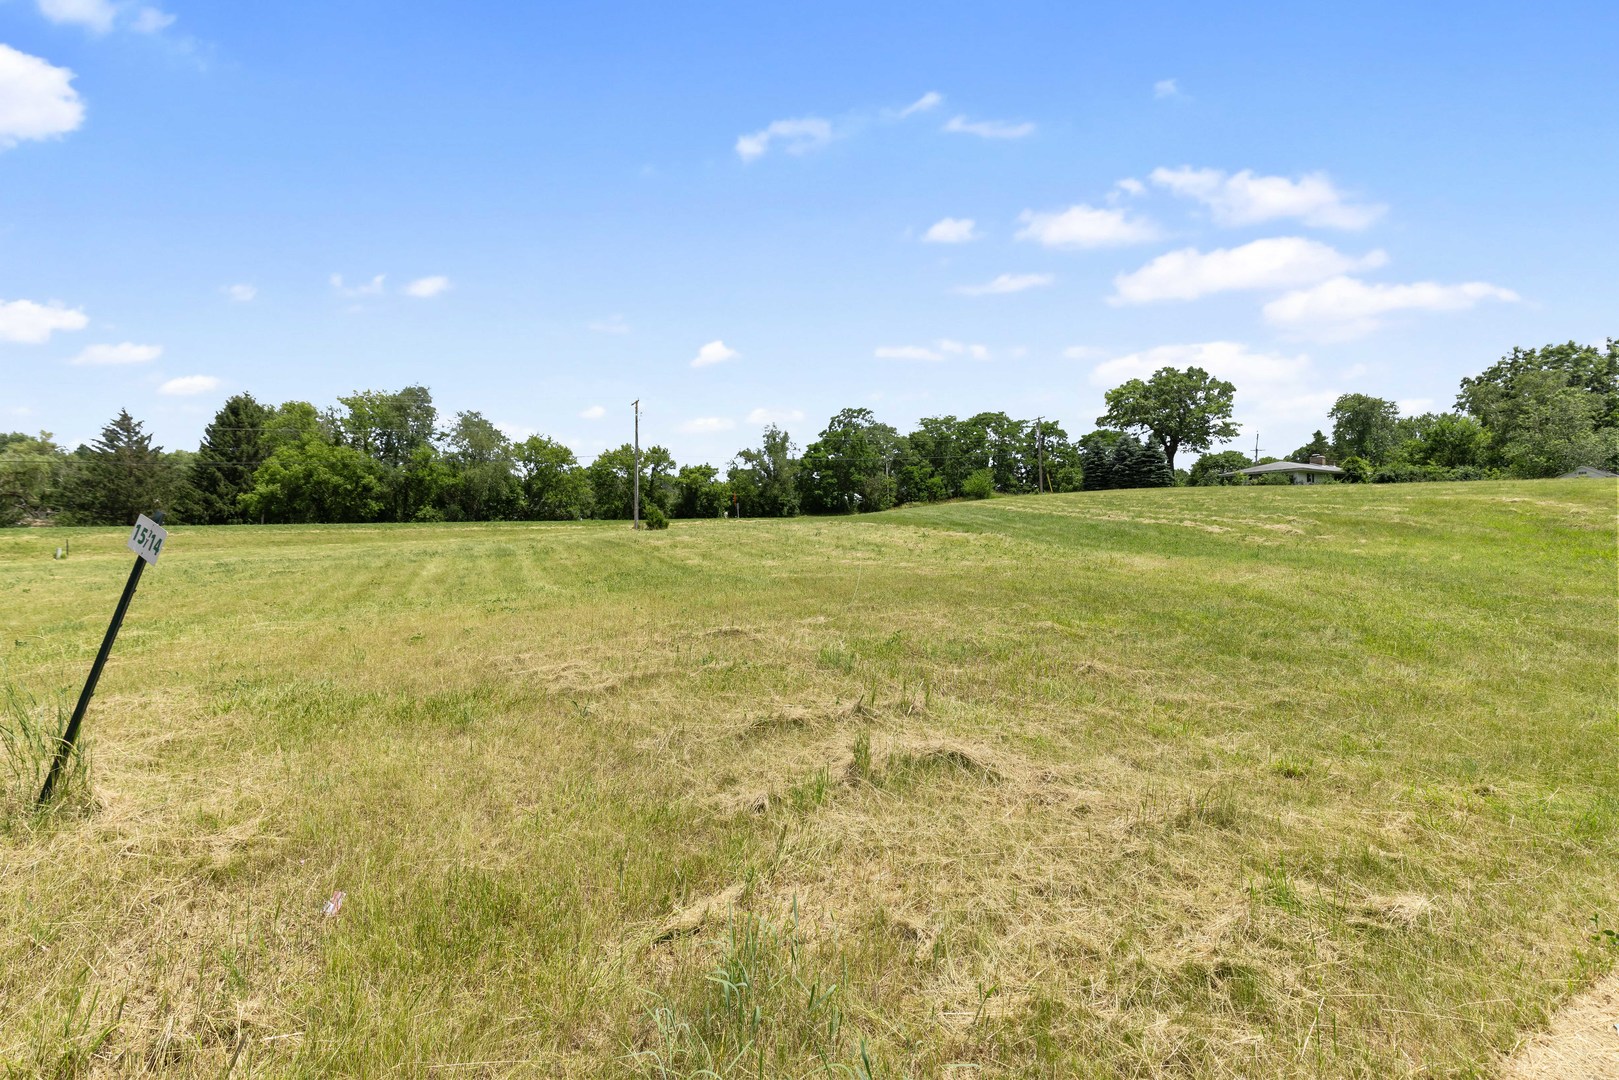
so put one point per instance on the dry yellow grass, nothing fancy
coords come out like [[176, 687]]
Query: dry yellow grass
[[1188, 782]]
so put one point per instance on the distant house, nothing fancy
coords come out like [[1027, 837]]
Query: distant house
[[1311, 472], [1588, 472]]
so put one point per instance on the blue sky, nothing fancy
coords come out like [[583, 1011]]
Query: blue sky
[[745, 213]]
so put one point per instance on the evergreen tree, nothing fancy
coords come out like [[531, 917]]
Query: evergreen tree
[[120, 475], [233, 448], [1155, 467], [1097, 462], [1128, 467]]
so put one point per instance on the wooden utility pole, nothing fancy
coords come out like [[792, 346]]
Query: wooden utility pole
[[1040, 452], [1256, 447], [635, 509]]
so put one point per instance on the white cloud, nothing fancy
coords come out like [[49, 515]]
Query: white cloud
[[595, 412], [1082, 352], [428, 287], [149, 20], [28, 323], [370, 288], [796, 136], [189, 385], [951, 231], [100, 16], [705, 424], [1346, 307], [1246, 199], [1415, 406], [988, 129], [1082, 226], [905, 352], [927, 101], [1274, 390], [715, 352], [1165, 88], [961, 348], [613, 324], [515, 432], [761, 417], [1280, 262], [37, 99], [1006, 283], [1130, 186], [96, 15], [240, 293], [123, 353]]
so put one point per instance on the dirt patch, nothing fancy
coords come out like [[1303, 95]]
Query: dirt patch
[[1583, 1040]]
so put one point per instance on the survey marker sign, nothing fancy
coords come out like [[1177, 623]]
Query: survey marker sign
[[147, 539]]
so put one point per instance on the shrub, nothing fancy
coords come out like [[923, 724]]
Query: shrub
[[1357, 470], [978, 485], [655, 518]]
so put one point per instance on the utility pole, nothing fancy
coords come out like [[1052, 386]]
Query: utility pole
[[1040, 452], [635, 509], [1256, 447]]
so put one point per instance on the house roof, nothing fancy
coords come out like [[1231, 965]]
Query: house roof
[[1588, 471], [1288, 466]]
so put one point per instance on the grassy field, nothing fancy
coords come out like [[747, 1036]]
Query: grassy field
[[1196, 782]]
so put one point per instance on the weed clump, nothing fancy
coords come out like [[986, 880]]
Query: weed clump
[[28, 741]]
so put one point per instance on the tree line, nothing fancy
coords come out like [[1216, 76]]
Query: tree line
[[389, 456]]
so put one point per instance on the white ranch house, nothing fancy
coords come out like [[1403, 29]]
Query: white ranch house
[[1311, 472]]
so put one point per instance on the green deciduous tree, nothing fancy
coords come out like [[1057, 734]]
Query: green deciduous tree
[[1364, 426], [554, 487], [850, 467], [314, 480], [1176, 409], [765, 480], [1211, 469], [32, 474], [486, 486]]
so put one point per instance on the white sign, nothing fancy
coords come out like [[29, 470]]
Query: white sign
[[147, 539]]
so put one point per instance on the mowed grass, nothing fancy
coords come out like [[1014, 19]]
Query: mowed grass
[[1198, 782]]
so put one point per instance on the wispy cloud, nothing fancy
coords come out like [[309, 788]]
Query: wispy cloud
[[806, 134], [1281, 262], [126, 352], [613, 324], [28, 323], [1006, 283], [798, 136], [929, 100], [1346, 307], [906, 352], [189, 385], [242, 293], [37, 99], [762, 416], [594, 412], [1082, 226], [951, 231], [370, 288], [963, 348], [428, 287], [989, 129], [705, 424], [1247, 199], [1166, 88], [715, 352], [940, 349], [102, 16]]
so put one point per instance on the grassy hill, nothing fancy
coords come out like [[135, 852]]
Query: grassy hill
[[1264, 781]]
